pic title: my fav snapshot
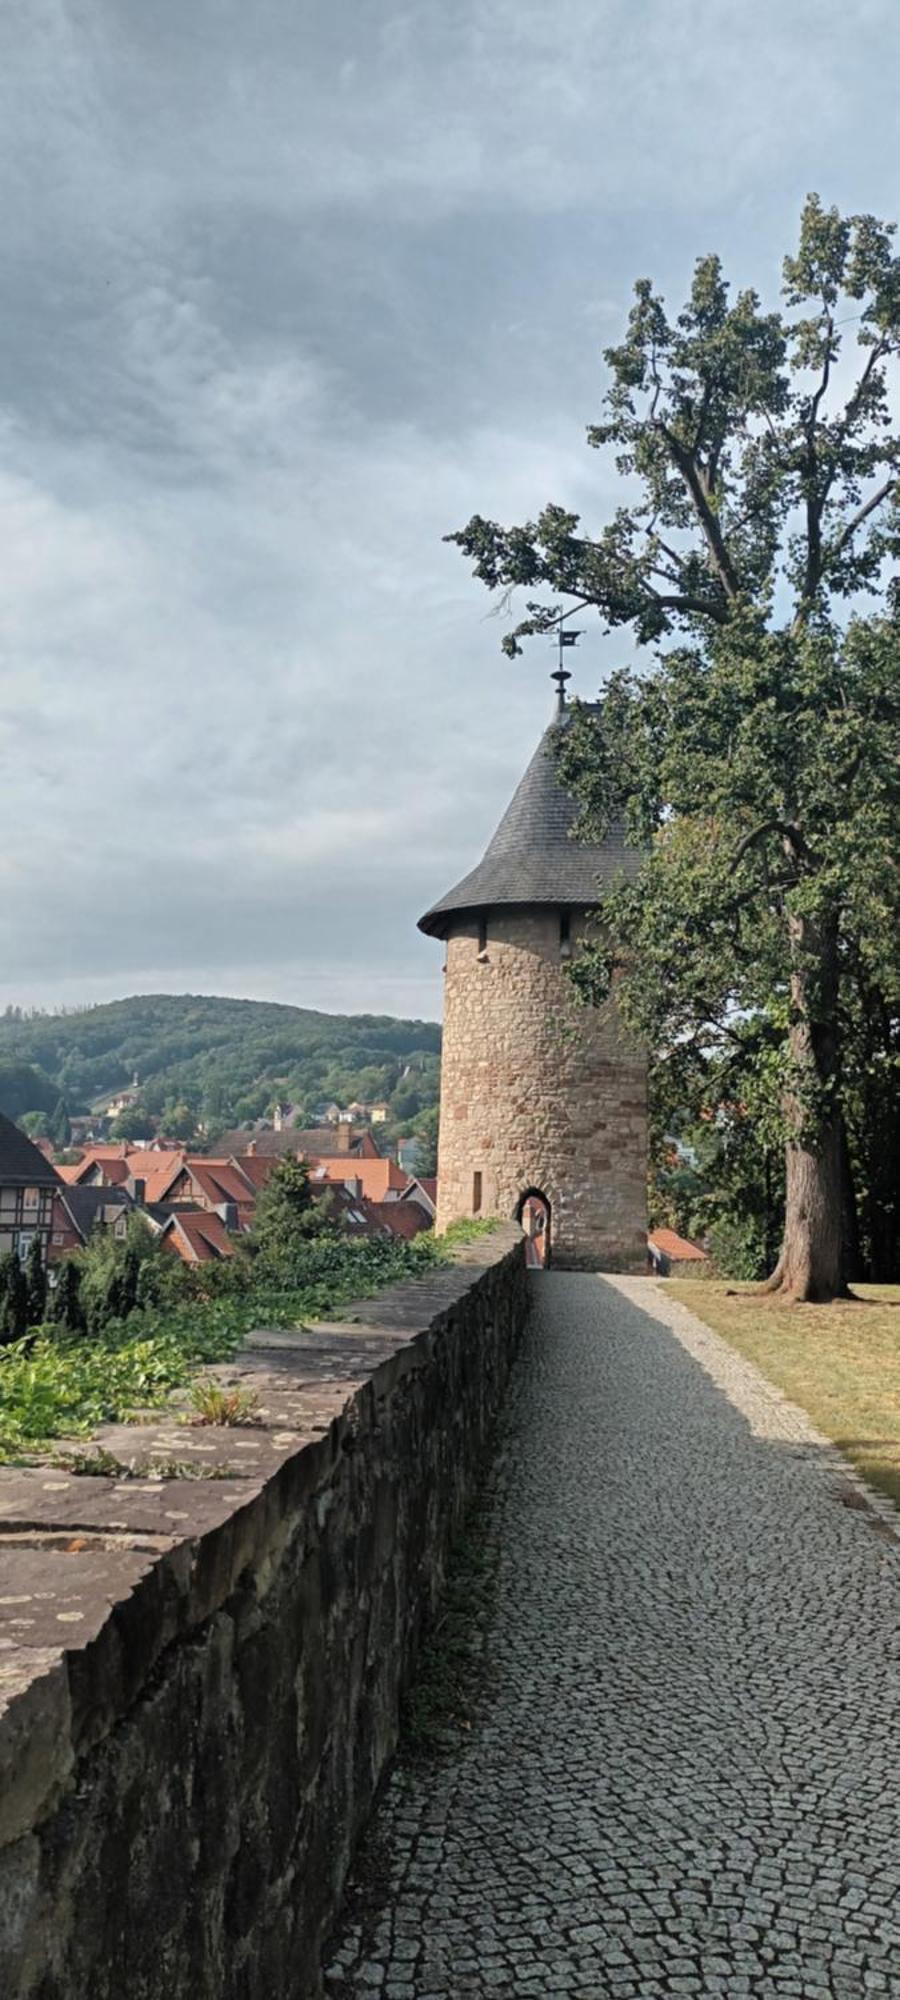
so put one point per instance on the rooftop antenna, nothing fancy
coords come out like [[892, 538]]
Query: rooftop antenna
[[561, 674]]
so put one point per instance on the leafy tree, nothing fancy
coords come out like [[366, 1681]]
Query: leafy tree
[[223, 1059], [68, 1308], [714, 1178], [60, 1128], [36, 1283], [122, 1287], [756, 760], [405, 1103], [23, 1087], [13, 1298], [112, 1277], [427, 1135], [36, 1124], [286, 1213], [132, 1122], [177, 1120]]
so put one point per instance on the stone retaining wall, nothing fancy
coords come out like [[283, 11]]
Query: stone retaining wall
[[200, 1676]]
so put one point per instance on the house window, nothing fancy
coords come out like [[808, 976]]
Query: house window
[[8, 1201], [565, 934], [476, 1194], [482, 937]]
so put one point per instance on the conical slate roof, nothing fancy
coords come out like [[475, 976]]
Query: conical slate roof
[[532, 859]]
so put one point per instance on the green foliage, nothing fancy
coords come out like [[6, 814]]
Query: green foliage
[[36, 1124], [752, 473], [427, 1133], [67, 1384], [68, 1310], [115, 1277], [36, 1284], [213, 1404], [285, 1215], [177, 1120], [714, 1179], [468, 1230], [221, 1062], [738, 1249], [60, 1129], [132, 1122], [754, 762], [24, 1087], [13, 1298]]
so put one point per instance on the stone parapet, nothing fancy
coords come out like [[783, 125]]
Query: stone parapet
[[200, 1674]]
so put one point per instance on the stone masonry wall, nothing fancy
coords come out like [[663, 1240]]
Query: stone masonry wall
[[200, 1677], [537, 1092]]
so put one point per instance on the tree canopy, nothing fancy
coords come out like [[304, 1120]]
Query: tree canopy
[[754, 755], [204, 1060]]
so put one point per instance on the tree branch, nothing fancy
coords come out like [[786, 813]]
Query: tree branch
[[686, 464], [862, 514], [782, 826]]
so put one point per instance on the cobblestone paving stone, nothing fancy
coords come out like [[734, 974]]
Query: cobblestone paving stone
[[686, 1777]]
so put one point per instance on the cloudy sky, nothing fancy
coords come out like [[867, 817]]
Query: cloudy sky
[[290, 290]]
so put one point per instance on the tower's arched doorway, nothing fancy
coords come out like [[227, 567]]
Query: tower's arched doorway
[[535, 1215]]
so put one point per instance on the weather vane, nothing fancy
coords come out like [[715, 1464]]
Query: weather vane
[[561, 674]]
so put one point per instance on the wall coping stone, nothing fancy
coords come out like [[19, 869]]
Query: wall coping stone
[[100, 1574]]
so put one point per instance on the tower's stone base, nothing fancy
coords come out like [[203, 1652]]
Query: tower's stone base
[[540, 1094]]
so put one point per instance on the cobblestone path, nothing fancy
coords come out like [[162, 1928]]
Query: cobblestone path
[[686, 1778]]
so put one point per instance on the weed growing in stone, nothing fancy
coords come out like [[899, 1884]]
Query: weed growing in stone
[[212, 1404]]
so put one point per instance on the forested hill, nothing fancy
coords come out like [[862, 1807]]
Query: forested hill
[[224, 1060]]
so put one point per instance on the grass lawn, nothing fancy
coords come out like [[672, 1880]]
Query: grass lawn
[[840, 1363]]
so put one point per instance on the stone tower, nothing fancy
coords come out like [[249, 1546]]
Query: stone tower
[[539, 1097]]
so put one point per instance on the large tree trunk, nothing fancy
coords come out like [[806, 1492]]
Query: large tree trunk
[[812, 1264]]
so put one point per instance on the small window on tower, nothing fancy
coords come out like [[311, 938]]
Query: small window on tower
[[482, 937], [476, 1194], [565, 934]]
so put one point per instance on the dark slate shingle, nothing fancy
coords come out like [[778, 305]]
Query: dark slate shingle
[[532, 859], [21, 1163]]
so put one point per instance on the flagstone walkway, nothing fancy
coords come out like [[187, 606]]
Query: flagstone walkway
[[686, 1776]]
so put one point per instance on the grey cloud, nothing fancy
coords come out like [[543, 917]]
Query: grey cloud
[[292, 291]]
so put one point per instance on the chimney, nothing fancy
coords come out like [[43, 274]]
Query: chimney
[[251, 1149], [344, 1138], [138, 1192]]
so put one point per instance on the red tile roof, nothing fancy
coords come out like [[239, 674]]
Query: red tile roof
[[112, 1172], [377, 1177], [220, 1180], [145, 1160], [158, 1180], [198, 1238], [676, 1247], [256, 1167]]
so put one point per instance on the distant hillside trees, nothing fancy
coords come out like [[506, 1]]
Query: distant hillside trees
[[207, 1062]]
